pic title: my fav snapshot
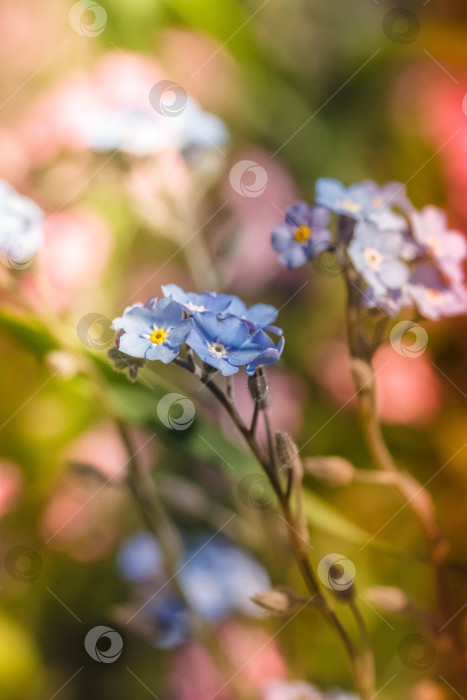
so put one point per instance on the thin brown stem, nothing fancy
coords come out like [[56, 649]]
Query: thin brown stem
[[299, 547]]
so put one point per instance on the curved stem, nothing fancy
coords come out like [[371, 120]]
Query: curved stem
[[412, 492], [299, 547]]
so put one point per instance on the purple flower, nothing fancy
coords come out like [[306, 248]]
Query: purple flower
[[377, 256], [191, 302], [270, 354], [433, 297], [447, 248], [155, 334], [224, 345], [303, 235]]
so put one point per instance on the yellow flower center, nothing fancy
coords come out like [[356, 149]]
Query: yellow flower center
[[302, 234], [435, 296], [373, 258], [434, 245], [348, 205], [377, 202], [158, 336]]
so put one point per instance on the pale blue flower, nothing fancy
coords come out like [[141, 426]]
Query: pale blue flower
[[377, 257], [154, 334], [143, 131], [224, 345]]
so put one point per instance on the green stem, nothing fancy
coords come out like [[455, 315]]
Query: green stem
[[363, 681]]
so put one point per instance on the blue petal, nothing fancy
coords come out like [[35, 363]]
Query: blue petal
[[197, 341], [208, 324], [394, 273], [137, 320], [167, 313], [295, 256], [244, 355], [236, 307], [319, 241], [134, 345], [174, 291], [268, 357], [163, 352], [329, 191], [232, 332], [281, 238], [213, 302], [319, 217], [298, 214], [261, 314], [224, 367], [179, 333]]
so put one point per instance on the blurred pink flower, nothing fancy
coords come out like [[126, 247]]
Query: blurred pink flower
[[440, 106], [407, 388], [255, 661], [76, 250], [80, 512], [195, 676], [254, 653], [58, 119], [11, 482], [291, 690], [14, 163]]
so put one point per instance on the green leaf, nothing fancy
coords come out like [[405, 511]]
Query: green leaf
[[30, 333]]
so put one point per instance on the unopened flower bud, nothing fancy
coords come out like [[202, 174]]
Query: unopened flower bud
[[258, 388], [389, 599], [287, 455], [125, 363], [278, 601], [335, 470]]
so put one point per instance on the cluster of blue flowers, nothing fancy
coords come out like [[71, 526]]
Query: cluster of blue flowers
[[220, 328], [404, 257], [216, 577]]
